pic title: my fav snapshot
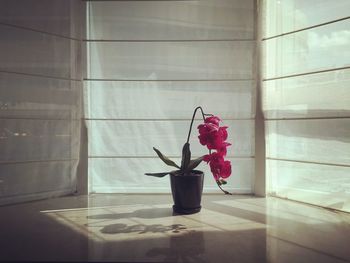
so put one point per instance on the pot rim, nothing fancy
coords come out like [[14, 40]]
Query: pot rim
[[192, 173]]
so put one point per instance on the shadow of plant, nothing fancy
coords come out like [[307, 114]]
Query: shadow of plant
[[141, 213], [141, 229]]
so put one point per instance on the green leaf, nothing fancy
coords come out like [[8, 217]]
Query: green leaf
[[157, 174], [223, 181], [165, 159], [194, 163], [186, 156]]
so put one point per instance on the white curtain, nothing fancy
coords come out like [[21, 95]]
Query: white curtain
[[306, 100], [150, 63], [40, 98]]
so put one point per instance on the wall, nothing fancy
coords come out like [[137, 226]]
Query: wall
[[150, 64], [40, 97], [306, 100]]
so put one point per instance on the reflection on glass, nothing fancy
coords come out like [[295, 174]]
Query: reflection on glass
[[321, 141], [296, 97], [323, 185], [321, 48], [284, 16]]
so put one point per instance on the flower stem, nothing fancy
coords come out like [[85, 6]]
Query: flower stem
[[194, 115], [225, 192]]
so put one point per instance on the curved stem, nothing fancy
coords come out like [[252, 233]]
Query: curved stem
[[225, 192], [193, 116]]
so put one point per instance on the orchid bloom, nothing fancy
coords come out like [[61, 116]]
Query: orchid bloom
[[214, 137]]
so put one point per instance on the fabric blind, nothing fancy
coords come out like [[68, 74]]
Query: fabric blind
[[150, 64], [306, 100], [40, 98]]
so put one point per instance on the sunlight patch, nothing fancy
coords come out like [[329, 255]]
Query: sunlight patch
[[130, 222]]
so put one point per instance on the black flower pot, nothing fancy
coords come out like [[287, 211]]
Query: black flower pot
[[187, 191]]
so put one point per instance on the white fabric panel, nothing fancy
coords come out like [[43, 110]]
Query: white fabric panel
[[110, 175], [136, 138], [171, 60], [296, 97], [224, 19], [169, 99], [325, 140], [313, 141], [54, 16], [161, 60], [290, 15], [40, 98], [24, 96], [29, 52], [28, 140], [38, 177], [313, 98], [324, 185], [319, 48]]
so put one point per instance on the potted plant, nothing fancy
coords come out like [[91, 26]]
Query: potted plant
[[186, 182]]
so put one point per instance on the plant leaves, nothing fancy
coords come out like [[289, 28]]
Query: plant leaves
[[222, 181], [194, 163], [186, 156], [165, 159], [157, 174]]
